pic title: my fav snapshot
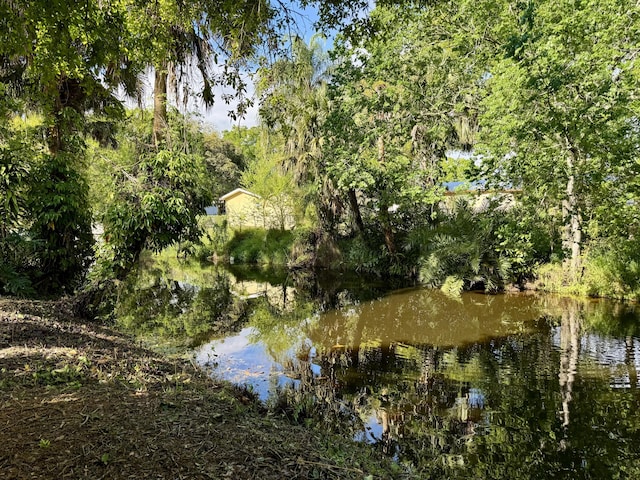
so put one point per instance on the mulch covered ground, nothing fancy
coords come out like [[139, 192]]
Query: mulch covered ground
[[81, 400]]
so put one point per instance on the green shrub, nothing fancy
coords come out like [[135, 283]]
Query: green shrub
[[61, 220], [245, 246], [362, 255], [214, 238], [553, 277], [490, 248], [15, 282], [45, 221], [464, 247], [610, 269], [452, 286], [259, 246], [613, 270], [18, 262]]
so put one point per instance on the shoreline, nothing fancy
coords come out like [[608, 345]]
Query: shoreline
[[82, 400]]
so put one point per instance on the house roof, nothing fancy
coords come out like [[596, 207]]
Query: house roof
[[235, 192]]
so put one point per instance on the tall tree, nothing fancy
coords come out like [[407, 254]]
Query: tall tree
[[560, 118], [294, 102], [63, 59], [197, 42], [401, 98]]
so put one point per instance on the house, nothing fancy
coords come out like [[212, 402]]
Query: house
[[247, 209], [478, 197]]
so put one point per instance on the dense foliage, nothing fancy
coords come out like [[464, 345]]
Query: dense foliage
[[64, 60], [533, 102]]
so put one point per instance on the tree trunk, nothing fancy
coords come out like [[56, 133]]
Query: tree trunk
[[387, 230], [54, 137], [160, 105], [355, 209], [55, 131], [572, 235], [630, 361], [385, 219], [569, 354]]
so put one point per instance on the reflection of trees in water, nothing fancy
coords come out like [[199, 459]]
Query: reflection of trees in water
[[332, 290], [569, 353], [630, 361], [154, 304], [316, 397], [448, 400], [337, 399], [509, 407]]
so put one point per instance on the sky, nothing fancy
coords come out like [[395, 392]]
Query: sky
[[217, 117]]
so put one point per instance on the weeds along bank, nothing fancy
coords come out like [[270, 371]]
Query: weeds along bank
[[611, 271]]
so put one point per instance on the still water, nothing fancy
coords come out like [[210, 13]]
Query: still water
[[505, 386]]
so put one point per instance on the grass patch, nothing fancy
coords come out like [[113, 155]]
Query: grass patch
[[260, 246]]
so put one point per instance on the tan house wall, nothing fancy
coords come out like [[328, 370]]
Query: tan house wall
[[244, 209]]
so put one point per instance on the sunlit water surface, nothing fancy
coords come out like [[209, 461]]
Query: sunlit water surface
[[505, 386]]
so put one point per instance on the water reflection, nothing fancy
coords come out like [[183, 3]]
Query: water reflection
[[506, 386], [159, 303], [510, 386]]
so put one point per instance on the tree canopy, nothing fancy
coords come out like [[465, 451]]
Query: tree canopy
[[537, 98]]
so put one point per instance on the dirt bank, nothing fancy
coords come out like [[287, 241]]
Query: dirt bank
[[82, 400]]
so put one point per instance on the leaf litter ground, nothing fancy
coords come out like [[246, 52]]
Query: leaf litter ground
[[81, 400]]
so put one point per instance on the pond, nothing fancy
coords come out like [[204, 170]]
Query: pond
[[504, 386]]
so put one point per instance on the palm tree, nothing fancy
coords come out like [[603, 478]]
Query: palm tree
[[186, 40], [294, 105], [294, 101]]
